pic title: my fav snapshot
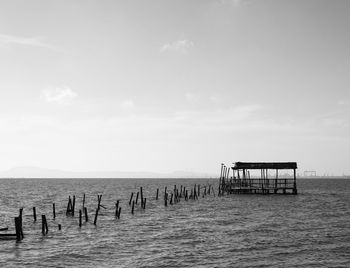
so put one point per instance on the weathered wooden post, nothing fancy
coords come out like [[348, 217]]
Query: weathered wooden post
[[116, 208], [157, 193], [44, 227], [99, 198], [59, 227], [171, 199], [132, 194], [79, 217], [141, 195], [34, 214], [83, 201], [54, 210], [96, 215], [73, 208], [295, 191], [166, 199], [144, 203], [86, 214], [70, 209], [18, 227], [137, 198], [120, 210], [133, 206]]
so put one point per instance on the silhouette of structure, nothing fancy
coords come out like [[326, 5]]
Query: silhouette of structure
[[242, 183]]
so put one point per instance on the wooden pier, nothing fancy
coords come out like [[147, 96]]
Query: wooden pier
[[241, 182]]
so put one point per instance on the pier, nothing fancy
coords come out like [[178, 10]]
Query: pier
[[241, 181]]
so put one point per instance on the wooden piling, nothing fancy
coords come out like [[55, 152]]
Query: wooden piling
[[171, 199], [133, 206], [34, 214], [120, 210], [141, 195], [137, 198], [80, 217], [70, 206], [99, 198], [73, 207], [96, 215], [86, 214], [59, 227], [83, 201], [157, 193], [144, 203], [166, 199], [18, 227], [54, 210], [116, 208], [44, 227]]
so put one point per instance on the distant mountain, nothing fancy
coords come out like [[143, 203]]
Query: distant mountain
[[35, 172]]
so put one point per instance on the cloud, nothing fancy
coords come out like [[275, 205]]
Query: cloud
[[181, 46], [7, 40], [59, 95]]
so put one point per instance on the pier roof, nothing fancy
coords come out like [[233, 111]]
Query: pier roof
[[265, 165]]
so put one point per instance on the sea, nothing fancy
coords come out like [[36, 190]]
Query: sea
[[311, 229]]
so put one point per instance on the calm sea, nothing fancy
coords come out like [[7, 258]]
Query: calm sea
[[311, 229]]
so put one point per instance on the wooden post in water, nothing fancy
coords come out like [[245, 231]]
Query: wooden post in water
[[99, 198], [116, 208], [83, 201], [133, 206], [73, 207], [120, 210], [141, 195], [34, 214], [132, 194], [21, 221], [54, 210], [96, 215], [157, 193], [144, 203], [295, 191], [165, 199], [86, 214], [79, 217], [18, 226], [137, 198], [68, 206], [44, 227], [171, 199], [59, 227]]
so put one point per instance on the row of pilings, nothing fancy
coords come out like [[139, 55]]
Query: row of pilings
[[169, 197]]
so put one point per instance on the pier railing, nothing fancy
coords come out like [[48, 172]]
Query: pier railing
[[253, 185]]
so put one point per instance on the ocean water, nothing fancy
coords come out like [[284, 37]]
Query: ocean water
[[311, 229]]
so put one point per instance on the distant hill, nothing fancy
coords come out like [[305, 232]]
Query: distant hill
[[35, 172]]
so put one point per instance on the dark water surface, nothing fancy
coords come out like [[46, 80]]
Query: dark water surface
[[311, 229]]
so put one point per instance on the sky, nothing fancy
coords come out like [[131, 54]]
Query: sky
[[162, 85]]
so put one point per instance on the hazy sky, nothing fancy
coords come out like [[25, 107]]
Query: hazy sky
[[174, 85]]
